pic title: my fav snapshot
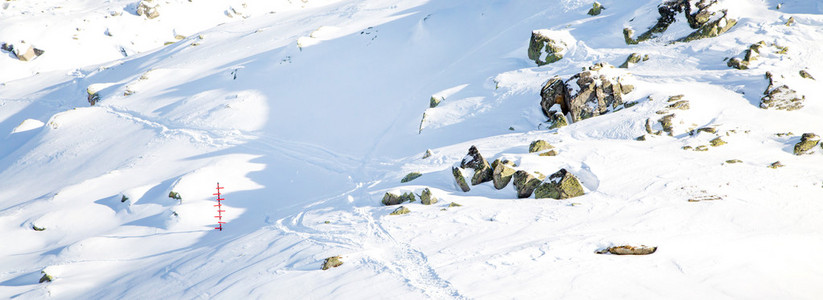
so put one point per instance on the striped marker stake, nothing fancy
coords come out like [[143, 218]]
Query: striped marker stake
[[220, 210]]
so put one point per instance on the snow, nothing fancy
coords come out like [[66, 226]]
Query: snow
[[308, 112]]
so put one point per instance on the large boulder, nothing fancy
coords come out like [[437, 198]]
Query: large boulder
[[807, 142], [780, 96], [394, 199], [702, 15], [524, 183], [560, 185], [597, 93], [501, 174], [545, 49]]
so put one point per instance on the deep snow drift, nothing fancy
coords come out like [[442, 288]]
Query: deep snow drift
[[309, 111]]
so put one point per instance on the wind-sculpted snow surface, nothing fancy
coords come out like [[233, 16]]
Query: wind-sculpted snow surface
[[309, 112]]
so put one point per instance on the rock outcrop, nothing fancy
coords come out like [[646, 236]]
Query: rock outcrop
[[701, 16], [597, 93], [544, 49], [560, 185], [780, 96]]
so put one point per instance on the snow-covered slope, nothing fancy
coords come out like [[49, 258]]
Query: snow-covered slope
[[309, 111]]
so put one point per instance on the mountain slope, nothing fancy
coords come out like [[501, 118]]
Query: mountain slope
[[309, 112]]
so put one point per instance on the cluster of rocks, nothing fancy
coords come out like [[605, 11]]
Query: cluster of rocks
[[544, 49], [426, 198], [780, 96], [666, 122], [560, 185], [753, 53], [29, 54], [701, 16], [597, 93]]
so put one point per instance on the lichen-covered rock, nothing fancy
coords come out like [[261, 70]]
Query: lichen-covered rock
[[175, 195], [560, 185], [46, 277], [776, 165], [780, 96], [148, 8], [701, 16], [717, 142], [628, 250], [524, 183], [631, 60], [411, 176], [427, 198], [460, 180], [332, 262], [702, 148], [37, 228], [557, 120], [807, 142], [428, 153], [393, 199], [681, 105], [596, 9], [544, 49], [597, 93], [454, 204], [501, 174], [734, 161], [552, 152], [539, 146]]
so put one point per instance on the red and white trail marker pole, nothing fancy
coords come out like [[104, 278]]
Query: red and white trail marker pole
[[220, 210]]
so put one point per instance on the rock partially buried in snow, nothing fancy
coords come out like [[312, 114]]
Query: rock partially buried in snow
[[560, 185], [807, 142], [411, 176], [332, 262], [780, 96], [400, 211], [524, 183], [545, 47], [427, 198], [482, 170], [631, 60], [629, 250], [394, 199], [46, 277], [148, 8], [539, 146], [701, 16], [501, 174], [29, 54], [460, 180], [596, 9]]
